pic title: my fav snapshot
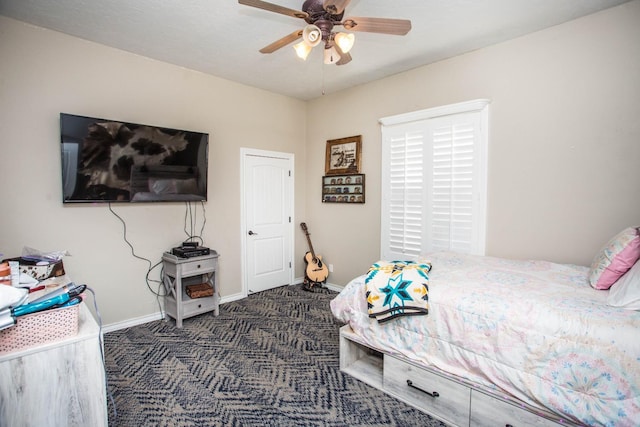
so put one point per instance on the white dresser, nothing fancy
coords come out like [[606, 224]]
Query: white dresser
[[61, 383]]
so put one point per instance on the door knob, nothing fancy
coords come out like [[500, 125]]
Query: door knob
[[251, 233]]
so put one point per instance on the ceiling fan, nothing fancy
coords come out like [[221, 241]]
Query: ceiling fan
[[321, 17]]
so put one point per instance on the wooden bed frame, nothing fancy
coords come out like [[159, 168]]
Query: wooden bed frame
[[450, 399]]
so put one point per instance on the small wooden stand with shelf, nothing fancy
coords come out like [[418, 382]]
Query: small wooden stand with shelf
[[178, 273]]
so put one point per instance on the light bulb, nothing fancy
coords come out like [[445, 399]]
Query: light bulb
[[312, 35], [345, 41], [302, 50]]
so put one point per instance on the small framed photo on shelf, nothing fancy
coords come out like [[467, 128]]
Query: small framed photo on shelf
[[343, 156], [343, 188]]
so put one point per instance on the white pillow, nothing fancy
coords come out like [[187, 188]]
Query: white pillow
[[625, 293]]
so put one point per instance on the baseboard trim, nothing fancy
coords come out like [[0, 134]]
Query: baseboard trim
[[155, 316], [330, 286], [132, 322], [333, 287], [111, 327]]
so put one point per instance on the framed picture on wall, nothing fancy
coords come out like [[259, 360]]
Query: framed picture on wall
[[343, 155]]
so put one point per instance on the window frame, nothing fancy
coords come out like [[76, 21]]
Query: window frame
[[391, 127]]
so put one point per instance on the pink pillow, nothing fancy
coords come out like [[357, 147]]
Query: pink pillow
[[615, 259]]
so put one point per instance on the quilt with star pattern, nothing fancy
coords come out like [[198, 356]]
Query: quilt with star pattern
[[397, 288]]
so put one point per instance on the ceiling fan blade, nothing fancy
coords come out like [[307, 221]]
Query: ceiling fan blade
[[335, 7], [345, 58], [274, 8], [398, 27], [282, 42]]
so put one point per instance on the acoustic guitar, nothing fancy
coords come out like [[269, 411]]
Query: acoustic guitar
[[316, 271]]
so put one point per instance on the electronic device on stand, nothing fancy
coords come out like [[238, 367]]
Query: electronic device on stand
[[190, 250]]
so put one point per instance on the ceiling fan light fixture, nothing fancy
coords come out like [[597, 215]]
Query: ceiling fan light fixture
[[345, 41], [321, 17], [302, 50], [331, 55], [312, 35]]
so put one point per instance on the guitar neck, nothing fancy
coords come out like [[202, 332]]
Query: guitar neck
[[306, 233], [313, 254]]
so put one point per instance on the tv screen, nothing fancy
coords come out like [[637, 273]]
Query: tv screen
[[114, 161]]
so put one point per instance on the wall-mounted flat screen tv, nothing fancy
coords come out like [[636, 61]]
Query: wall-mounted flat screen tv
[[114, 161]]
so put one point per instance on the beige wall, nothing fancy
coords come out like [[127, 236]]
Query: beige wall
[[563, 155], [564, 149], [43, 73]]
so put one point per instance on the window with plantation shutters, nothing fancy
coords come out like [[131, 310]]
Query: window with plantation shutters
[[434, 181]]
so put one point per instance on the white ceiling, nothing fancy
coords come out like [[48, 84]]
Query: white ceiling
[[222, 37]]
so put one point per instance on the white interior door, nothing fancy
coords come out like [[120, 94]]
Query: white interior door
[[268, 215]]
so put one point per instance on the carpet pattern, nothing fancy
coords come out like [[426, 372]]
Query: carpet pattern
[[271, 359]]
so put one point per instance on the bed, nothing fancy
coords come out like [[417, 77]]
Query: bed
[[532, 335]]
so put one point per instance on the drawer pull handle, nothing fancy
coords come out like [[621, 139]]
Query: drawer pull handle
[[434, 394]]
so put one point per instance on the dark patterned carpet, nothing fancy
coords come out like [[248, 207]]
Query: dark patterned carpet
[[268, 360]]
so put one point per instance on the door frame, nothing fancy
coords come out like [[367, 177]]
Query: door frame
[[290, 157]]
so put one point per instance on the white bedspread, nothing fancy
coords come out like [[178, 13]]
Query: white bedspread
[[534, 330]]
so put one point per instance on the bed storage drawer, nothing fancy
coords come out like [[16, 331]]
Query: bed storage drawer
[[487, 411], [427, 391]]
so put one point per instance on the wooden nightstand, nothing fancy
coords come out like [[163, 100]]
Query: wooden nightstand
[[181, 272]]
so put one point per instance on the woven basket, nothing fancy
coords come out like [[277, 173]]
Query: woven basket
[[199, 291], [40, 328]]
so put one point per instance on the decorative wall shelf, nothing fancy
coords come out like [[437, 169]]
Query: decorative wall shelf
[[343, 188]]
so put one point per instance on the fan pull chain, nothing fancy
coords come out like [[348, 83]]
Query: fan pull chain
[[322, 71]]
